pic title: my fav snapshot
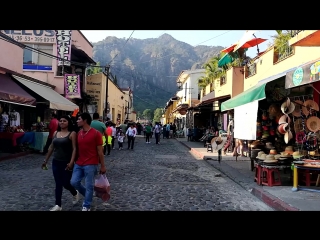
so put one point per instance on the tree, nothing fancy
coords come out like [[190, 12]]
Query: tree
[[147, 114], [213, 71], [280, 41], [94, 70], [157, 115]]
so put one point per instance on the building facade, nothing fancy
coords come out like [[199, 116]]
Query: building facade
[[43, 67]]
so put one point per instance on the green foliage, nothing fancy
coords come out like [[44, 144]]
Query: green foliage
[[94, 70], [280, 41], [213, 71], [157, 115], [147, 114]]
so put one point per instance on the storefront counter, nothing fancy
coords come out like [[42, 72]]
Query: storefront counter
[[11, 136], [28, 137], [40, 139], [295, 178]]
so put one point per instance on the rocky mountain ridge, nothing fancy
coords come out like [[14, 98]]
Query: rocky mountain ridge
[[151, 66]]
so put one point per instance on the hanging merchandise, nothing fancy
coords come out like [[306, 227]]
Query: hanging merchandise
[[309, 107], [297, 110], [287, 107], [313, 124]]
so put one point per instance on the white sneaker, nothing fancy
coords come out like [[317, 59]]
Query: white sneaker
[[76, 198], [56, 208], [84, 209]]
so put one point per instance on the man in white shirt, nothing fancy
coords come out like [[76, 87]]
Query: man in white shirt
[[131, 133], [114, 134], [157, 131]]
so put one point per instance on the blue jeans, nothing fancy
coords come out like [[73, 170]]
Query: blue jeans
[[88, 173]]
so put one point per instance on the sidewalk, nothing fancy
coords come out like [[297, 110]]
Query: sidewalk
[[280, 198]]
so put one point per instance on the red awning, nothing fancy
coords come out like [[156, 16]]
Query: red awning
[[11, 92]]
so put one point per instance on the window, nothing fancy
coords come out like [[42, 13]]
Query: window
[[37, 61]]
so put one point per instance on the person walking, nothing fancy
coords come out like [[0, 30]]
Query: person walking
[[120, 140], [108, 144], [148, 133], [99, 126], [63, 148], [164, 131], [114, 134], [131, 133], [90, 154], [157, 132], [53, 126]]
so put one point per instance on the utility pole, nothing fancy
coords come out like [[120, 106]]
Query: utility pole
[[107, 69]]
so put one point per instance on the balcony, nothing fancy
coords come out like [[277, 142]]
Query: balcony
[[278, 57], [250, 70], [305, 38]]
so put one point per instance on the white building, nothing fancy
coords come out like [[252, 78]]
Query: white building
[[188, 96]]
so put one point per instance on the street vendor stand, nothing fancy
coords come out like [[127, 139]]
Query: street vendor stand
[[306, 166]]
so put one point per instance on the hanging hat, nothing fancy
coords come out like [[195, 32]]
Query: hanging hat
[[313, 124], [287, 109], [283, 128], [274, 109], [308, 106], [297, 110], [218, 142], [287, 137], [284, 119]]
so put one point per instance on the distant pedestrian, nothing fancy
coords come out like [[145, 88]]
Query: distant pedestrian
[[64, 148], [120, 140], [131, 133], [148, 133], [157, 131], [114, 135]]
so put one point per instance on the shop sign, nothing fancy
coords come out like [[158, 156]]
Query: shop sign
[[31, 36], [72, 86], [303, 75], [64, 46], [93, 89]]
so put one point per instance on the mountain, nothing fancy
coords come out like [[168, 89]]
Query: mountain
[[150, 66]]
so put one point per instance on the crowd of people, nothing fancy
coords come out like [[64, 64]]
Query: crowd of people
[[78, 146]]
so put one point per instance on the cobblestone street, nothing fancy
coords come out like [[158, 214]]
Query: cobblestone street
[[151, 177]]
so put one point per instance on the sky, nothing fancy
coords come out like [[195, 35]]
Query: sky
[[224, 38]]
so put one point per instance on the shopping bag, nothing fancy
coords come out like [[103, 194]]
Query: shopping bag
[[103, 141], [102, 187]]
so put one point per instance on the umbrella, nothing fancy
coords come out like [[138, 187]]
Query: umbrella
[[229, 49], [250, 43], [225, 60]]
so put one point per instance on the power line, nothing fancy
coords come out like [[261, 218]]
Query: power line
[[122, 48], [193, 46]]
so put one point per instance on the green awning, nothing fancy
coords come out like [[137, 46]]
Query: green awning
[[257, 92], [225, 60]]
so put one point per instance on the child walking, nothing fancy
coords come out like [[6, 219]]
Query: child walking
[[120, 140]]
